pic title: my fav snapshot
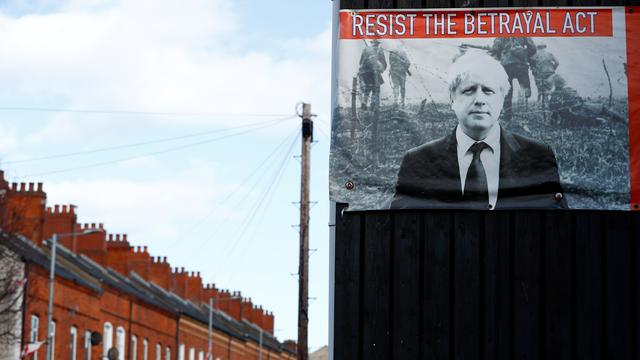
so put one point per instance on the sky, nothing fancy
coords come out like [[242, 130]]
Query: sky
[[175, 122]]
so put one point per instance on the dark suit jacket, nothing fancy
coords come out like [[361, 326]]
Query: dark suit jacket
[[429, 176]]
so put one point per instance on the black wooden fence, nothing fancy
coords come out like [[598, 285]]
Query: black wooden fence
[[486, 285]]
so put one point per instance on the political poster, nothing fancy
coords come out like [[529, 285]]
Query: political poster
[[489, 109]]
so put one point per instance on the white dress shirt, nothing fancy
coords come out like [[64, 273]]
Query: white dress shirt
[[490, 157]]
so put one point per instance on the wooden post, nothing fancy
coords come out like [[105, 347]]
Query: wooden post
[[303, 271]]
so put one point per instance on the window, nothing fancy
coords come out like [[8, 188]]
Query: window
[[120, 340], [87, 345], [192, 354], [73, 343], [134, 347], [145, 349], [53, 339], [201, 355], [33, 335], [167, 353], [158, 351], [107, 339], [181, 352]]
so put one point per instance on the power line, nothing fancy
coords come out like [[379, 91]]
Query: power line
[[138, 144], [269, 197], [245, 225], [111, 162], [127, 112], [240, 233], [264, 162]]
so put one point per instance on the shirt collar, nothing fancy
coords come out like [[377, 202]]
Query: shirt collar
[[465, 142]]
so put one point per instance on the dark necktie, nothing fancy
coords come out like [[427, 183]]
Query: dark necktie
[[475, 186]]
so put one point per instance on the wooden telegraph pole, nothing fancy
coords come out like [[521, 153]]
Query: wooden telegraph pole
[[303, 271]]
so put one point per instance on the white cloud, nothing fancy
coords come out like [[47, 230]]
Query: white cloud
[[9, 138], [148, 209], [155, 56]]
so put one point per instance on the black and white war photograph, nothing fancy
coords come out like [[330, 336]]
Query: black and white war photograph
[[482, 123]]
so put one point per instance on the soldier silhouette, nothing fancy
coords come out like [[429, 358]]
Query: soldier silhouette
[[398, 70], [514, 54], [372, 65]]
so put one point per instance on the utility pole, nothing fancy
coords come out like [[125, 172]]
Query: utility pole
[[303, 271]]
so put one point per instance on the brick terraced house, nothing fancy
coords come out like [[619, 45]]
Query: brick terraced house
[[108, 290]]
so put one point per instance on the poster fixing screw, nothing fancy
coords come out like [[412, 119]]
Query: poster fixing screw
[[349, 185]]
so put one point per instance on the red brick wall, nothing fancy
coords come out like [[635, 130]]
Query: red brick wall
[[22, 210], [61, 220]]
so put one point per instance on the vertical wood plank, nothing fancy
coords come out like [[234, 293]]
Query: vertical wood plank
[[467, 303], [347, 285], [589, 285], [524, 3], [527, 249], [495, 3], [614, 2], [618, 326], [439, 4], [436, 289], [376, 286], [497, 285], [380, 4], [409, 4], [406, 286], [553, 2], [352, 4], [585, 2], [635, 282], [558, 282]]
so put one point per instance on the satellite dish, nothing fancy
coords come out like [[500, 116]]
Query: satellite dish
[[113, 354], [96, 338]]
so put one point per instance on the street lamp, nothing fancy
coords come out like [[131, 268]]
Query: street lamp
[[211, 302], [52, 272]]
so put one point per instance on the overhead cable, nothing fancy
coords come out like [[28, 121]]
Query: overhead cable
[[143, 143], [177, 148], [126, 112]]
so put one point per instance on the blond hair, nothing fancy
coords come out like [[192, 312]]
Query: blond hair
[[476, 62]]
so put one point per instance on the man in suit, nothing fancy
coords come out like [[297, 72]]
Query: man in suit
[[479, 165]]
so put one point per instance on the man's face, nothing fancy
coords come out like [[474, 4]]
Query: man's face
[[477, 103]]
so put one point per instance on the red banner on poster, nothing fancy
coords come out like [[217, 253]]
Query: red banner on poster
[[478, 23]]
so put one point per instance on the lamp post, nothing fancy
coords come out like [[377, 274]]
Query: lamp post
[[52, 272], [211, 302], [260, 354]]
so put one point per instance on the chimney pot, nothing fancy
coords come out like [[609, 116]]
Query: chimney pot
[[31, 187]]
